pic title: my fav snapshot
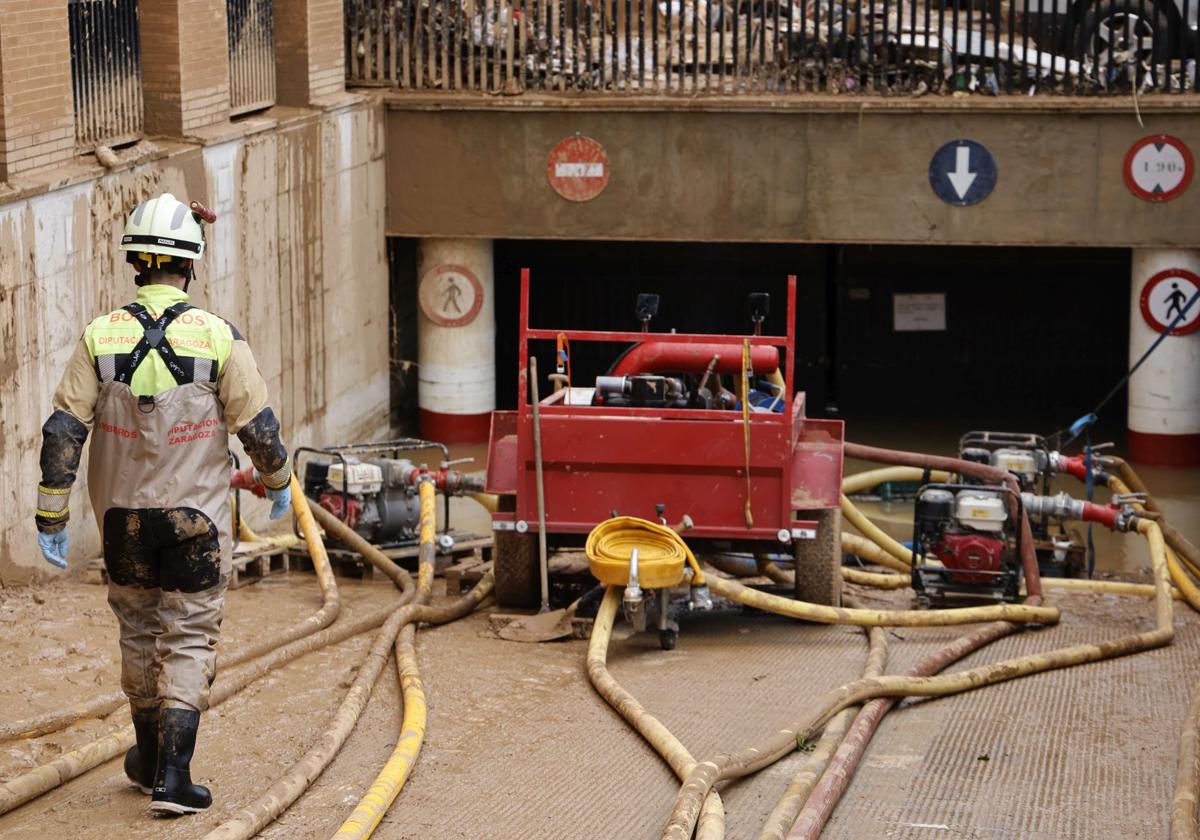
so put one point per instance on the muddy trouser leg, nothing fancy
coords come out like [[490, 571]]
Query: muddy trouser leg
[[187, 646], [137, 613], [133, 595], [190, 610]]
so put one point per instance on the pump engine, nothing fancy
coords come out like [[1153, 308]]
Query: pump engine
[[377, 496], [970, 532], [1029, 458]]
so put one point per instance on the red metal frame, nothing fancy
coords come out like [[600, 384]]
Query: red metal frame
[[597, 459]]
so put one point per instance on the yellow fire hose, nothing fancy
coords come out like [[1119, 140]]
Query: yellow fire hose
[[386, 787], [1179, 575], [106, 703], [706, 773], [288, 788], [735, 591], [662, 553], [784, 813], [711, 817], [879, 580]]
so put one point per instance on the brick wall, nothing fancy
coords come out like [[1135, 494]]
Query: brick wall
[[185, 70], [185, 65], [36, 109], [309, 50]]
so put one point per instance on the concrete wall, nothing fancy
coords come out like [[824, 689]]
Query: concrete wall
[[296, 261], [701, 173]]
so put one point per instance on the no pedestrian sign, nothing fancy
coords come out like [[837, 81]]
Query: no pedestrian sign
[[578, 168], [962, 172], [450, 295], [1166, 295], [1158, 167]]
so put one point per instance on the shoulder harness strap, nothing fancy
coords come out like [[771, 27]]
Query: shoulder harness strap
[[185, 369]]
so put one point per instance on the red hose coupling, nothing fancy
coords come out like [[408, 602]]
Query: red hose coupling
[[247, 479], [1105, 515], [1076, 465]]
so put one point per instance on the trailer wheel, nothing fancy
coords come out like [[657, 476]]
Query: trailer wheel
[[819, 561], [515, 565]]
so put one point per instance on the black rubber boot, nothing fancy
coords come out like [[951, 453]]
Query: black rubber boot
[[142, 758], [174, 792]]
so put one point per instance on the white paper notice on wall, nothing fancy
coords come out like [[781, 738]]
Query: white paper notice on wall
[[912, 313]]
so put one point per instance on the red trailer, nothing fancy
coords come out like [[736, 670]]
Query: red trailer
[[602, 456]]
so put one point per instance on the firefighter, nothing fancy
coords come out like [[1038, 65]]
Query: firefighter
[[160, 384]]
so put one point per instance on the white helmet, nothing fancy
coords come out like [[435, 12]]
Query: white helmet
[[166, 226]]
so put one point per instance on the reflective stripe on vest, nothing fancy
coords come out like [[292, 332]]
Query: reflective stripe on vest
[[120, 367]]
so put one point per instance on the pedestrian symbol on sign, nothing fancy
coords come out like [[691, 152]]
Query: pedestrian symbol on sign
[[1176, 300], [1170, 300], [450, 300]]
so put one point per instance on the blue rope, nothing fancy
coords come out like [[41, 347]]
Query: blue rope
[[1084, 422], [1090, 484]]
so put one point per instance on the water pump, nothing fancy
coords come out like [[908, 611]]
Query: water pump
[[970, 533]]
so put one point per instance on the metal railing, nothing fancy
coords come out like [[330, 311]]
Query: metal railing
[[106, 71], [727, 47], [251, 55]]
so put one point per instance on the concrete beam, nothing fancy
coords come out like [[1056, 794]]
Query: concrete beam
[[718, 175]]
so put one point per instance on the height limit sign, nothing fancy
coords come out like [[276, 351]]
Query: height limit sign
[[1158, 167], [578, 168]]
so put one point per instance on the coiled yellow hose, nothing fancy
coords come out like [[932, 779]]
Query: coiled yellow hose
[[661, 553]]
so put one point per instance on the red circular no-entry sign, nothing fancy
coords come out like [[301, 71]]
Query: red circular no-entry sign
[[578, 168], [1158, 167], [1165, 296]]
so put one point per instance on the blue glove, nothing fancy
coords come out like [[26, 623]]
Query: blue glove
[[281, 500], [54, 548]]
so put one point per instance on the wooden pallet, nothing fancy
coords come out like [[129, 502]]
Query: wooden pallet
[[254, 561], [468, 548], [463, 575]]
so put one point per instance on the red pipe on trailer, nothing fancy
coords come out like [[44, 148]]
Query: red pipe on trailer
[[664, 357]]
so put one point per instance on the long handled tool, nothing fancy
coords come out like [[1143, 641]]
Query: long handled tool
[[541, 487]]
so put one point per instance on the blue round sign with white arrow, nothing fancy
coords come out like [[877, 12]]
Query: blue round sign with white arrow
[[962, 172]]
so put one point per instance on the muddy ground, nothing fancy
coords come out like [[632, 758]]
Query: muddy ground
[[519, 746]]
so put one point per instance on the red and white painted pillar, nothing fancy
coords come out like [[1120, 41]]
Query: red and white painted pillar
[[1164, 394], [456, 339]]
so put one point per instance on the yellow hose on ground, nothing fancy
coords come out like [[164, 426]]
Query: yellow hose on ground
[[879, 580], [860, 576], [874, 533], [1183, 800], [248, 534], [386, 787], [289, 787], [711, 817], [610, 544], [1106, 587], [735, 591], [872, 553], [780, 820], [707, 773], [1179, 575], [864, 480]]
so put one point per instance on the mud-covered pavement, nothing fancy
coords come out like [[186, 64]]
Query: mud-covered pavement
[[519, 746]]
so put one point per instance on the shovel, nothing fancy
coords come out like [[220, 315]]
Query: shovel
[[543, 627]]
